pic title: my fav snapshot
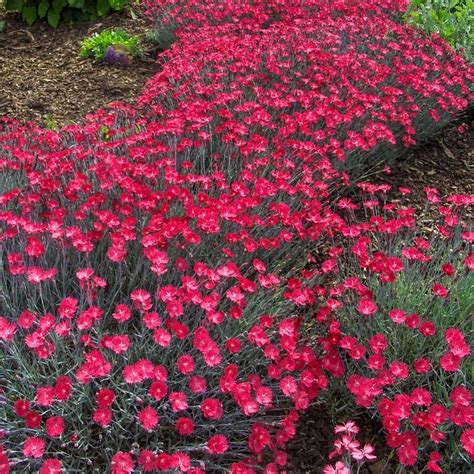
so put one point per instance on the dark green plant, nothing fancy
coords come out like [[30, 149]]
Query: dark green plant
[[96, 46], [451, 19], [67, 10]]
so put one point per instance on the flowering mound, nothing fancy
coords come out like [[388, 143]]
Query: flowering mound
[[160, 262], [397, 322]]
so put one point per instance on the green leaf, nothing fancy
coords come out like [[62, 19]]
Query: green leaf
[[103, 7], [53, 18], [14, 5], [76, 3], [29, 14], [43, 8], [117, 4], [2, 25], [58, 5]]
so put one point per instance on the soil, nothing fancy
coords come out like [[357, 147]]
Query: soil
[[42, 78]]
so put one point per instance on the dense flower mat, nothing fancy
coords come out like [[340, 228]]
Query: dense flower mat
[[177, 278]]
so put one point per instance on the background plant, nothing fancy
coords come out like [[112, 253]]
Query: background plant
[[96, 45], [53, 11], [451, 19]]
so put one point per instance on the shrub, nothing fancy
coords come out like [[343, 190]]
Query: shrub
[[402, 311], [98, 45], [67, 10], [453, 20]]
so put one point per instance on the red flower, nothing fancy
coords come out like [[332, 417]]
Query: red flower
[[44, 396], [440, 290], [461, 396], [197, 384], [146, 460], [212, 409], [185, 426], [367, 306], [33, 420], [105, 397], [55, 426], [432, 464], [22, 407], [122, 463], [62, 388], [450, 362], [217, 444], [467, 442], [422, 366], [51, 466], [122, 313], [158, 389], [178, 401], [34, 447], [185, 364], [148, 418], [102, 416]]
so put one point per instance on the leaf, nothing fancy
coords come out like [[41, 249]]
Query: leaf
[[43, 8], [29, 14], [2, 25], [14, 5], [53, 18], [117, 4], [103, 7], [58, 5], [76, 3]]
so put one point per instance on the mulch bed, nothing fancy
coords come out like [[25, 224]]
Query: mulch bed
[[42, 78]]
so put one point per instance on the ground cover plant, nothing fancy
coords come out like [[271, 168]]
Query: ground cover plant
[[164, 283]]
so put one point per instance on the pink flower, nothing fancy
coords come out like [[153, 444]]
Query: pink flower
[[467, 442], [349, 427], [55, 426], [185, 426], [217, 444], [148, 418], [338, 468], [105, 397], [367, 306], [122, 463], [212, 409], [51, 466], [364, 453], [178, 401], [34, 447]]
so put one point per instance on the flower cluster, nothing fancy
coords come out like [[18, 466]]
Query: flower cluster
[[397, 334], [347, 447], [157, 282]]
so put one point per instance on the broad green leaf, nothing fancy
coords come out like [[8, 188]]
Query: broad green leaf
[[117, 4], [53, 18], [76, 3], [43, 8], [103, 7], [29, 14], [58, 5], [14, 5]]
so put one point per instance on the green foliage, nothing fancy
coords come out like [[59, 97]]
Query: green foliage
[[2, 25], [95, 46], [451, 19], [53, 11]]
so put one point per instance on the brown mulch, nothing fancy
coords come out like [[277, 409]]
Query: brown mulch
[[445, 163], [43, 78]]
